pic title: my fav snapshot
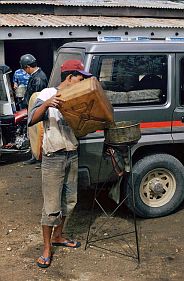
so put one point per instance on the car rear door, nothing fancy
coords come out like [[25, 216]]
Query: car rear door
[[178, 115]]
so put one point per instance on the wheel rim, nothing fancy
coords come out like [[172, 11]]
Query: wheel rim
[[157, 187]]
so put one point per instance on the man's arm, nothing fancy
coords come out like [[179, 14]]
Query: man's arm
[[15, 81], [40, 111]]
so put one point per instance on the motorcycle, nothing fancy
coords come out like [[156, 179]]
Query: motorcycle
[[13, 120]]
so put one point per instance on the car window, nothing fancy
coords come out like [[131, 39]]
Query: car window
[[134, 79], [182, 81], [55, 78]]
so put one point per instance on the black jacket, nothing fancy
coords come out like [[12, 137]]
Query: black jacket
[[37, 82]]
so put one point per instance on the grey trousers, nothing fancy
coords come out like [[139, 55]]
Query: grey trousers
[[59, 185]]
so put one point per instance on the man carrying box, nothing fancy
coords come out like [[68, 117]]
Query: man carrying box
[[59, 161]]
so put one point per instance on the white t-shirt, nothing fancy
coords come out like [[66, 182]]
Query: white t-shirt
[[57, 133]]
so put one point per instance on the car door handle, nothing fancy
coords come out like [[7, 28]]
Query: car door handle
[[182, 119]]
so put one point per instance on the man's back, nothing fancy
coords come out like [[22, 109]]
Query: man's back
[[20, 77], [37, 82]]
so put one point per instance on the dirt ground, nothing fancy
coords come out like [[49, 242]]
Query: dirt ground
[[161, 242]]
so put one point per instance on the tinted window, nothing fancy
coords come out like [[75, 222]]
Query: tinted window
[[55, 78], [182, 81], [134, 79]]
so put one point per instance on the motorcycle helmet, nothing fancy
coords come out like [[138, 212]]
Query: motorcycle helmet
[[26, 60]]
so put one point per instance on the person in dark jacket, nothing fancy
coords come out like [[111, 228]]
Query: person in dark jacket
[[38, 79], [37, 82]]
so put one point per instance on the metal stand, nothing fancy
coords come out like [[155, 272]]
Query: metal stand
[[93, 238]]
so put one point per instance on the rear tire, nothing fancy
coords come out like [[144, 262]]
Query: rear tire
[[158, 185]]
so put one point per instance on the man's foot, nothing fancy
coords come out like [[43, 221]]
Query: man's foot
[[38, 165], [31, 161], [44, 262], [67, 243]]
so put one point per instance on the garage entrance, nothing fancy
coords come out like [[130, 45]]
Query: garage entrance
[[41, 49]]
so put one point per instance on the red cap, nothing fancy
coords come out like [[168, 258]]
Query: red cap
[[74, 65]]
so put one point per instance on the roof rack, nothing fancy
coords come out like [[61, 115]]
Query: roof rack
[[121, 38], [110, 38], [174, 38]]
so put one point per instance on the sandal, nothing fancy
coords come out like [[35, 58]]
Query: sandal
[[67, 243], [46, 262]]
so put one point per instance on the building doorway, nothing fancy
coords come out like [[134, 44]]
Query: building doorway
[[42, 49]]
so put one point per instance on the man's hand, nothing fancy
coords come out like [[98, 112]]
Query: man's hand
[[55, 101], [15, 86]]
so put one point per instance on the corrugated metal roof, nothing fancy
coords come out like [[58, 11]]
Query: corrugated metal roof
[[104, 3], [25, 20]]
